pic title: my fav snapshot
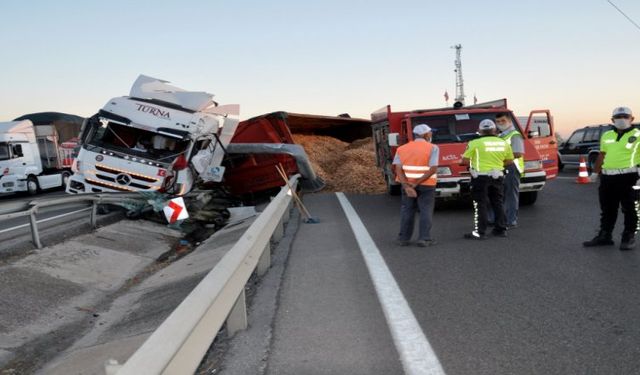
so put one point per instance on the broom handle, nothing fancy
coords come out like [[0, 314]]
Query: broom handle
[[297, 199]]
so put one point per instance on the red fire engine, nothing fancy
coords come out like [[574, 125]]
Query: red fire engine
[[452, 129]]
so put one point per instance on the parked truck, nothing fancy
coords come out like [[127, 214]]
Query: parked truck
[[159, 138], [35, 157], [452, 129]]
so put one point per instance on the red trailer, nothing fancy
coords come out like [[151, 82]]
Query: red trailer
[[250, 173]]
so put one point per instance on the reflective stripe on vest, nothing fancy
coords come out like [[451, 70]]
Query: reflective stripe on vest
[[414, 157], [519, 162], [623, 153]]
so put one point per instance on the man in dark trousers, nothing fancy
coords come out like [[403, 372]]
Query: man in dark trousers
[[617, 166], [487, 157], [416, 164]]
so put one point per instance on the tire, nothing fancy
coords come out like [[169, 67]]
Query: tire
[[32, 185], [392, 189], [65, 179], [528, 198]]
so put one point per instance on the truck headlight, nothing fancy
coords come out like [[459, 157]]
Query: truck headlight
[[533, 164], [444, 171]]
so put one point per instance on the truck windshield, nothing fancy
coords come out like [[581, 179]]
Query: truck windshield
[[134, 141], [454, 128], [4, 151]]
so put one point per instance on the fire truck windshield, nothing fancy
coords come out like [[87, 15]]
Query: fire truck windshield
[[133, 141], [454, 128]]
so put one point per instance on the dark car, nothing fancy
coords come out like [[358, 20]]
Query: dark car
[[583, 142]]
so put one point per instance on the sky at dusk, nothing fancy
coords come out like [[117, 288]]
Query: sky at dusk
[[578, 58]]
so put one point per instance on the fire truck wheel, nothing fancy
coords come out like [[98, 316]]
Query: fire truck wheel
[[32, 185], [528, 198]]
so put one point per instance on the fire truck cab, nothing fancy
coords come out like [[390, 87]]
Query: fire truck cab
[[452, 129]]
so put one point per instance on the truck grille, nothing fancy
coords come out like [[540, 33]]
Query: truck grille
[[121, 180]]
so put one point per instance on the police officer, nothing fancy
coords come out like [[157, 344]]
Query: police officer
[[487, 157], [617, 166], [416, 164], [509, 133]]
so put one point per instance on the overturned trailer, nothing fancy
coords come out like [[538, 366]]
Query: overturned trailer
[[263, 142]]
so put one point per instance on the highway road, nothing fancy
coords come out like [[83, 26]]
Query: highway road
[[536, 302]]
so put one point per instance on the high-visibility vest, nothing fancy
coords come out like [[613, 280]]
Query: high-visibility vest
[[414, 157], [488, 153], [519, 162], [623, 153]]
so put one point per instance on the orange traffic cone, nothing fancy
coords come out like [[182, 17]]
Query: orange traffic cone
[[583, 175]]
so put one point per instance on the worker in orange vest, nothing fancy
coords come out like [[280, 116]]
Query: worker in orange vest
[[416, 164]]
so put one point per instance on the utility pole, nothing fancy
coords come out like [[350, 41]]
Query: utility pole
[[459, 82]]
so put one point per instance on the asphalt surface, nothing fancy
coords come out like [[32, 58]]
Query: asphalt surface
[[536, 302]]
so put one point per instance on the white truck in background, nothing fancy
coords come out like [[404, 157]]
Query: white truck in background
[[159, 138], [33, 157]]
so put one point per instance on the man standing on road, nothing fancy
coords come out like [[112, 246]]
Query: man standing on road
[[513, 171], [487, 157], [617, 166], [416, 164]]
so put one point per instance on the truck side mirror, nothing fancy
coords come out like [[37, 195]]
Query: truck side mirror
[[393, 139]]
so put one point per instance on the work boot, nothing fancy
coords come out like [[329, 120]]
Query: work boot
[[475, 236], [628, 242], [602, 239], [403, 243], [499, 233]]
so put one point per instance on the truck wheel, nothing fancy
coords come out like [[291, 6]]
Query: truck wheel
[[392, 189], [65, 179], [32, 185], [528, 198]]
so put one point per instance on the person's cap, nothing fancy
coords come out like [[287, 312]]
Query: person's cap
[[621, 111], [421, 129], [487, 125]]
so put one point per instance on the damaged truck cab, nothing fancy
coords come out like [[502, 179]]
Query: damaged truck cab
[[159, 138]]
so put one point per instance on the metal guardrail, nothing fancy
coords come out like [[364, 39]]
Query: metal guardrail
[[178, 345], [30, 208]]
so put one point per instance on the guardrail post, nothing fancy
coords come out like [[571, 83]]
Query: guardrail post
[[237, 319], [278, 233], [265, 261], [94, 214], [287, 213], [34, 229]]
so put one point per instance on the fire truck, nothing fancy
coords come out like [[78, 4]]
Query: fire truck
[[452, 129]]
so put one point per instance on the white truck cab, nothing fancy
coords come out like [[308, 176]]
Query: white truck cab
[[31, 158], [159, 138]]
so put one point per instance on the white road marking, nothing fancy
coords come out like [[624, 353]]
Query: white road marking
[[416, 354], [44, 220]]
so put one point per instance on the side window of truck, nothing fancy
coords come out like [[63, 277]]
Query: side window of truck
[[16, 151]]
